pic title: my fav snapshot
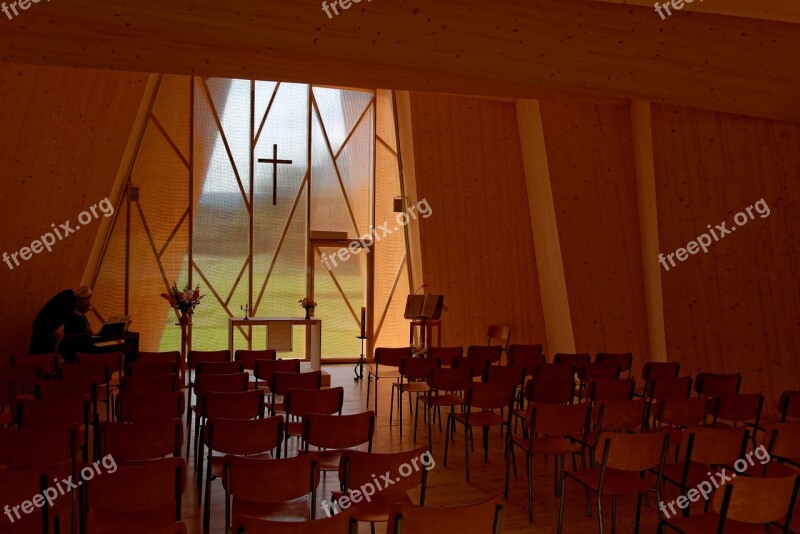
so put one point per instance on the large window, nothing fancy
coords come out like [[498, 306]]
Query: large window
[[201, 207]]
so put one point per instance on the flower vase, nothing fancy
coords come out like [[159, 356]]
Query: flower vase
[[308, 313], [186, 318]]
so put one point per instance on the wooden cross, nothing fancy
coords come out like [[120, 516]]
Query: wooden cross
[[275, 161]]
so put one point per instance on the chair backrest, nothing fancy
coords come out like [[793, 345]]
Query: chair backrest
[[738, 407], [559, 420], [658, 370], [573, 359], [342, 523], [150, 407], [758, 500], [554, 371], [99, 372], [212, 356], [24, 377], [416, 369], [226, 383], [288, 479], [144, 385], [789, 406], [489, 396], [18, 487], [264, 369], [151, 369], [46, 363], [595, 370], [527, 355], [159, 357], [130, 442], [239, 405], [113, 360], [283, 382], [449, 379], [490, 354], [782, 440], [249, 357], [682, 411], [300, 402], [669, 388], [408, 469], [511, 375], [140, 497], [631, 452], [391, 357], [54, 389], [717, 384], [499, 333], [75, 410], [481, 517], [245, 437], [621, 415], [558, 391], [445, 356], [47, 445], [623, 359], [218, 368], [603, 389], [338, 431], [712, 446]]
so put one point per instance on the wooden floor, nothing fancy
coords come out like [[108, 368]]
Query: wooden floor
[[447, 486]]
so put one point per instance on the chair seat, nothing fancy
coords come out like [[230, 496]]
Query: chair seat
[[218, 463], [412, 387], [107, 522], [294, 428], [548, 446], [674, 473], [705, 523], [377, 510], [484, 418], [290, 511], [616, 482], [451, 399]]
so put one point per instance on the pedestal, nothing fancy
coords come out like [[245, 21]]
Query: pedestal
[[185, 335]]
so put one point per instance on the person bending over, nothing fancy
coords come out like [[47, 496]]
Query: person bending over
[[64, 316]]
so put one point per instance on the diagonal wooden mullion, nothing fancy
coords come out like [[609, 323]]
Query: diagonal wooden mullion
[[282, 239], [173, 234], [264, 119], [341, 291], [238, 279], [169, 140], [384, 143], [354, 128], [224, 138], [152, 243], [335, 166], [391, 295], [216, 295]]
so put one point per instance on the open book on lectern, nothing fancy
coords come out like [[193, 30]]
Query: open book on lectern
[[424, 307]]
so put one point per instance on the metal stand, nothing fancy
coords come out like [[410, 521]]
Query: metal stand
[[359, 369]]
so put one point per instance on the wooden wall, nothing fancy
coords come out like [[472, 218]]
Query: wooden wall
[[736, 308], [62, 137], [477, 247]]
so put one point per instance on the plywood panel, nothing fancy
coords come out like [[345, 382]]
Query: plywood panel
[[589, 151], [62, 136], [530, 49], [736, 308], [477, 247]]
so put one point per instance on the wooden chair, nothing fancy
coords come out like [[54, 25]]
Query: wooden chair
[[717, 384], [134, 442], [486, 398], [602, 389], [526, 355], [674, 415], [150, 407], [136, 498], [343, 523], [21, 448], [17, 487], [783, 442], [282, 382], [248, 358], [217, 368], [789, 406], [541, 391], [231, 437], [48, 364], [547, 372], [240, 405], [388, 358], [492, 354], [100, 372], [500, 334], [159, 357], [657, 370], [74, 410], [623, 359], [357, 470], [481, 517], [576, 360], [594, 371], [413, 375], [551, 428], [668, 388], [211, 356], [445, 356], [145, 385], [292, 482], [208, 380], [264, 369], [23, 377], [335, 433], [739, 408], [300, 402], [624, 416], [743, 503], [623, 459], [446, 387], [143, 369]]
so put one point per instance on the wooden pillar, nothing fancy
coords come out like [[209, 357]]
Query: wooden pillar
[[552, 282], [648, 222]]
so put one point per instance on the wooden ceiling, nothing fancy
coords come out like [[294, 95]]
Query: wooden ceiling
[[736, 61]]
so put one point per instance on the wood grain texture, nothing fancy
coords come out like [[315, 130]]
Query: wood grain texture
[[63, 134], [736, 308], [594, 191], [477, 247], [779, 10], [526, 49]]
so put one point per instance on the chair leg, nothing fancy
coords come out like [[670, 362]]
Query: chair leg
[[447, 439], [508, 471], [207, 502], [466, 453], [199, 479], [391, 404], [600, 512], [614, 514], [430, 427], [529, 469], [486, 445], [561, 503], [400, 408], [416, 420], [638, 512]]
